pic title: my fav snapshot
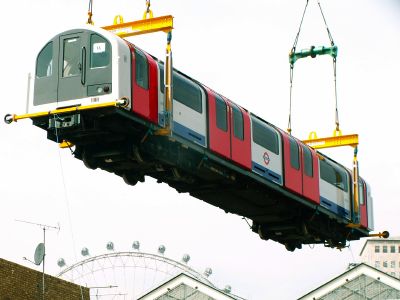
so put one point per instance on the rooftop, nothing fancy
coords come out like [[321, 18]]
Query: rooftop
[[380, 240]]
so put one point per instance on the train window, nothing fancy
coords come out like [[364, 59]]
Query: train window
[[361, 192], [72, 57], [100, 51], [221, 111], [334, 175], [265, 136], [294, 154], [308, 162], [142, 69], [44, 63], [238, 129], [187, 92]]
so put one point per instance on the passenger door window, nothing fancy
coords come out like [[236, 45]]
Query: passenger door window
[[308, 161], [294, 154], [142, 70], [238, 129], [71, 50], [221, 113]]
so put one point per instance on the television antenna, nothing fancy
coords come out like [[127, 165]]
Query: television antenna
[[40, 251]]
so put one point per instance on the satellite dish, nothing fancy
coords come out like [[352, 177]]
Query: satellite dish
[[39, 254]]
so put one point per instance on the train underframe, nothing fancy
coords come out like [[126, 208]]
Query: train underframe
[[119, 142]]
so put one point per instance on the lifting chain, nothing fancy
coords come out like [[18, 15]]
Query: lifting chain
[[90, 13], [148, 12], [313, 51]]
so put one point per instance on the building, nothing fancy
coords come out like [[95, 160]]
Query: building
[[185, 287], [360, 282], [382, 254], [22, 283]]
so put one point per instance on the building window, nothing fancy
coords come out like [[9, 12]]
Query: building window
[[377, 264], [377, 249], [393, 264], [385, 264], [392, 249], [384, 249]]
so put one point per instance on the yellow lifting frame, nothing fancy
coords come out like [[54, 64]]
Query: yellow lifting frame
[[14, 118], [155, 24], [331, 142]]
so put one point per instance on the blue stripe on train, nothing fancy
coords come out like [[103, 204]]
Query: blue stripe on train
[[267, 173], [188, 134], [335, 208]]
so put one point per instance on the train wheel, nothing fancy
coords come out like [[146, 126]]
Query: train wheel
[[89, 163], [130, 179], [290, 247]]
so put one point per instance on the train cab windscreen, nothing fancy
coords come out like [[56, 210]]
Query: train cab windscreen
[[73, 65]]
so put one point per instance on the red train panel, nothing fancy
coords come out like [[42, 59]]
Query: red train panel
[[310, 174], [363, 204], [219, 125], [144, 85], [292, 164], [240, 136]]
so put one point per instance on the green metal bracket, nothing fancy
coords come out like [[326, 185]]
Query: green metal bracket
[[313, 52]]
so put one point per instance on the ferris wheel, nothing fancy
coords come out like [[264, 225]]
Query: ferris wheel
[[126, 275]]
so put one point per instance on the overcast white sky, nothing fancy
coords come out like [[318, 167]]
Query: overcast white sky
[[239, 48]]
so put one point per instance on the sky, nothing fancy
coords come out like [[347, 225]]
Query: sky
[[240, 49]]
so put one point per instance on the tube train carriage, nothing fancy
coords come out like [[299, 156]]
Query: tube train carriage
[[217, 150]]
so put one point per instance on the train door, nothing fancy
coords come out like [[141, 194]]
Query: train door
[[240, 136], [292, 164], [84, 66], [219, 125], [310, 176], [144, 85]]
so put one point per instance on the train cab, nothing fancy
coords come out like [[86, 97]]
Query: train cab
[[80, 67]]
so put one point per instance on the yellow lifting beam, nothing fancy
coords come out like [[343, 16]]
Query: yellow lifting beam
[[337, 140], [14, 118], [155, 24]]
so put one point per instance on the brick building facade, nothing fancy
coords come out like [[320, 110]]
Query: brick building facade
[[21, 283]]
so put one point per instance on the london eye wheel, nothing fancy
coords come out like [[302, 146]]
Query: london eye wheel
[[126, 275]]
